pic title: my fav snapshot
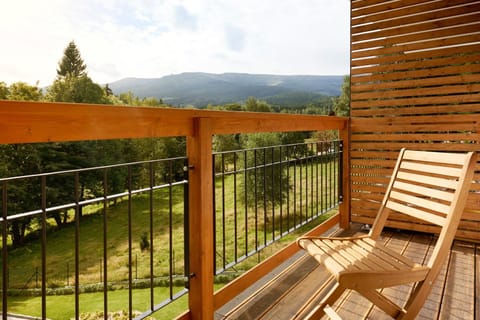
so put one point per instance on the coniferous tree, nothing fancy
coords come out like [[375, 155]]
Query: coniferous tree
[[72, 63]]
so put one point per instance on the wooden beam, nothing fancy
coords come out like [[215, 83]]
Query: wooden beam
[[345, 205], [30, 122], [201, 252]]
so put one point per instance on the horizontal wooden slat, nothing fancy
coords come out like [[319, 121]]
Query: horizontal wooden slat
[[424, 45], [463, 98], [427, 25], [370, 7], [435, 193], [468, 108], [453, 172], [434, 181], [448, 121], [416, 37], [417, 201], [435, 137], [439, 9], [425, 82], [413, 69], [430, 91], [426, 56], [398, 9], [391, 146], [375, 73], [438, 157]]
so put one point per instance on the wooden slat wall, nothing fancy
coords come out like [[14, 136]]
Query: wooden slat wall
[[415, 83]]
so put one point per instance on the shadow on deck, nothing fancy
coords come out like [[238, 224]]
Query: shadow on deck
[[292, 289]]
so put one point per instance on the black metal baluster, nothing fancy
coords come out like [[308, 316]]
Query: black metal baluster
[[130, 260], [77, 245], [4, 251], [44, 246], [105, 247]]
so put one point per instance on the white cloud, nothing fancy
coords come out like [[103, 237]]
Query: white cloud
[[152, 38]]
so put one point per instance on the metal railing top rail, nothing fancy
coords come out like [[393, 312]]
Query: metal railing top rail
[[118, 165], [72, 205], [287, 145]]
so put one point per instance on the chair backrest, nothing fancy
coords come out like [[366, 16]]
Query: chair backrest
[[430, 186]]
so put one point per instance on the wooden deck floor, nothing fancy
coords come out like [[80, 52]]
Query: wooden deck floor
[[291, 292]]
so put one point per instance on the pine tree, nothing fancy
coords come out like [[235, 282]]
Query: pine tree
[[72, 63]]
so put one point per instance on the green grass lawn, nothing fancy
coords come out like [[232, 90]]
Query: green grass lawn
[[62, 307]]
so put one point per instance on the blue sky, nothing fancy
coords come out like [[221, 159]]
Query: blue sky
[[153, 38]]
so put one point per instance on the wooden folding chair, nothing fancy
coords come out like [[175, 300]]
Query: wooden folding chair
[[431, 186]]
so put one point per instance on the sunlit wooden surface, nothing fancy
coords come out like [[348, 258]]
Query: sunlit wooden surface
[[455, 293]]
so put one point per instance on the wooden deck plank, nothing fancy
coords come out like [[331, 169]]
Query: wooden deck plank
[[295, 299], [456, 292], [459, 294], [260, 301]]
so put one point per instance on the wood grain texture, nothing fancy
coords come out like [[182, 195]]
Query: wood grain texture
[[414, 84]]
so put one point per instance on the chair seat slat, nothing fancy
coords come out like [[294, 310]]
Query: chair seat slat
[[366, 260]]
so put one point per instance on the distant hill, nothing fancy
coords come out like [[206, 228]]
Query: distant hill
[[201, 89]]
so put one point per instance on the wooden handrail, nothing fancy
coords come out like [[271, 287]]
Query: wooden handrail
[[31, 122]]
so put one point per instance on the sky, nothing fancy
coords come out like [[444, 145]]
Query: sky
[[154, 38]]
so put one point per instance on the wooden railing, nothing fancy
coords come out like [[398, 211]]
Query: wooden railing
[[30, 122]]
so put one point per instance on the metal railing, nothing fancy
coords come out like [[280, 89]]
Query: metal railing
[[151, 197], [263, 194]]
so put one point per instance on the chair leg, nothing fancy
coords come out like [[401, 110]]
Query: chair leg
[[330, 299], [382, 302]]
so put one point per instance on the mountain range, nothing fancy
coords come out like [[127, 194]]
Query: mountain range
[[200, 89]]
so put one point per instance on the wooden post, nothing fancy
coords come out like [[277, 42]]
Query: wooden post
[[345, 206], [199, 151]]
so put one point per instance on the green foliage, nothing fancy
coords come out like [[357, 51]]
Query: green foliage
[[76, 89], [128, 98], [263, 184], [255, 105], [72, 64], [3, 90], [22, 91], [342, 103]]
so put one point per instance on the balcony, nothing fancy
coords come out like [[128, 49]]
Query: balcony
[[224, 242], [415, 77]]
